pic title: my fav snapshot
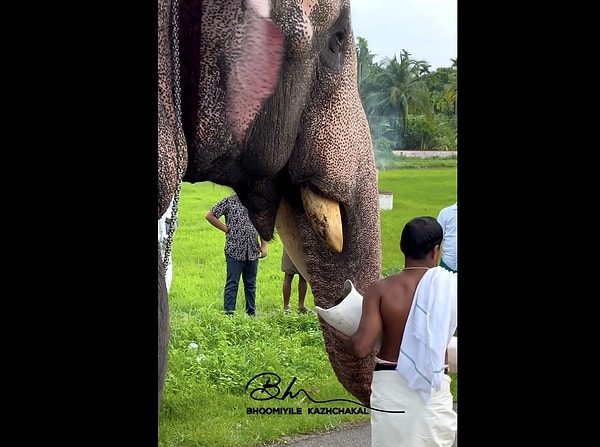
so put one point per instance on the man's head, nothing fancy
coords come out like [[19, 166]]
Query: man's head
[[421, 238]]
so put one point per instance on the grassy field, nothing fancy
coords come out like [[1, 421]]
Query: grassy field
[[206, 399]]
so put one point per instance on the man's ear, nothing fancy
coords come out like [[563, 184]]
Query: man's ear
[[436, 254]]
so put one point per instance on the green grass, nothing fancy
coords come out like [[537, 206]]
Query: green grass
[[205, 399], [404, 162], [417, 192]]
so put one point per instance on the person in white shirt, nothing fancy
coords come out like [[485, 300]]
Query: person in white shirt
[[448, 220]]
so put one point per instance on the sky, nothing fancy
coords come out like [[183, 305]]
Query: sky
[[425, 28]]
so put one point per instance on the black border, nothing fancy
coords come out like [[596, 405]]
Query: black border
[[105, 346]]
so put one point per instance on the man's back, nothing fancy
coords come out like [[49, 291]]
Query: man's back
[[396, 294], [386, 305], [241, 239]]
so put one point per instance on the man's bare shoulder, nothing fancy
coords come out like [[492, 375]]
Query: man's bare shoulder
[[396, 278], [390, 282]]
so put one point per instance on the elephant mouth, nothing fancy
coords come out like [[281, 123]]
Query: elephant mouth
[[267, 199], [307, 218]]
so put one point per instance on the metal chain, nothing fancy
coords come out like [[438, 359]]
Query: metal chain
[[179, 130]]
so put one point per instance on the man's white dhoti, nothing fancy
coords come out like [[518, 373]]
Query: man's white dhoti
[[433, 424]]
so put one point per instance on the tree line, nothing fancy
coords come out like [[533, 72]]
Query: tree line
[[407, 105]]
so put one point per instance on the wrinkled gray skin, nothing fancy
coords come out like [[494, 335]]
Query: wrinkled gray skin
[[266, 114]]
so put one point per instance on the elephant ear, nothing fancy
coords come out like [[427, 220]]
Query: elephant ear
[[255, 70]]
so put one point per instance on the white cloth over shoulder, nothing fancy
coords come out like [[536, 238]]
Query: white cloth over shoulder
[[429, 328]]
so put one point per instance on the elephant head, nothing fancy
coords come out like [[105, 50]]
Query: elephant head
[[270, 107]]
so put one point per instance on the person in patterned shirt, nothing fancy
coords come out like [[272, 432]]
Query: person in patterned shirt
[[242, 250]]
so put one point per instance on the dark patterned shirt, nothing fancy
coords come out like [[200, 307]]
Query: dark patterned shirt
[[241, 241]]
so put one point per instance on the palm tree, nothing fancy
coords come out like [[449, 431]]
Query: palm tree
[[400, 91], [451, 89], [364, 60]]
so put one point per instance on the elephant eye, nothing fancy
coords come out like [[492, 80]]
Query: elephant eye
[[336, 41], [333, 54]]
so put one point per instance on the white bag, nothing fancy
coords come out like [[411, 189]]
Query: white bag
[[345, 315]]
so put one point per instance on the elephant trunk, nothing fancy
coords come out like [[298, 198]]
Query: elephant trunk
[[327, 270], [359, 262]]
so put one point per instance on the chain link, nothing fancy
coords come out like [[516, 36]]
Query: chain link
[[179, 131]]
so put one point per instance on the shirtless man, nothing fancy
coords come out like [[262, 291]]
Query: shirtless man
[[387, 303]]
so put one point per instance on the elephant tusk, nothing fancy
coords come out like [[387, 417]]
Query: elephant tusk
[[325, 218]]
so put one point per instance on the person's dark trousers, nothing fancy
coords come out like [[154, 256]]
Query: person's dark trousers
[[232, 282], [247, 270], [249, 277]]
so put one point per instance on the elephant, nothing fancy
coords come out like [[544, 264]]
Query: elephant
[[262, 96]]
